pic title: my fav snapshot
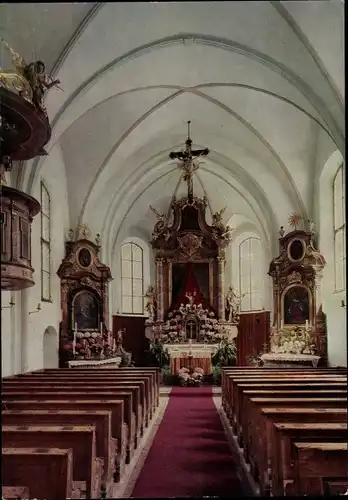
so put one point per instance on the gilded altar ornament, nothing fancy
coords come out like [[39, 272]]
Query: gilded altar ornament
[[71, 234], [83, 231], [161, 226], [221, 231], [30, 81], [294, 220]]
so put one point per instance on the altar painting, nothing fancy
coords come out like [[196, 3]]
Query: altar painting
[[86, 311], [296, 306]]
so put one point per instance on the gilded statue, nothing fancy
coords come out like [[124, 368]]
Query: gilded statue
[[30, 80], [151, 302], [161, 226], [233, 303]]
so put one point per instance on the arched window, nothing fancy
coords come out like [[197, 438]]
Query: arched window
[[45, 243], [132, 279], [250, 274], [339, 230]]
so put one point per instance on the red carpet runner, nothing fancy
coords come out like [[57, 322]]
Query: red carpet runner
[[190, 455]]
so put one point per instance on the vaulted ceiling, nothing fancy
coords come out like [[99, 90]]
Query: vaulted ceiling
[[261, 82]]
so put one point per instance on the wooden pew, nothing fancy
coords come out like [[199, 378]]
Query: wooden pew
[[106, 445], [277, 377], [47, 472], [244, 394], [144, 382], [225, 372], [316, 462], [81, 439], [119, 429], [15, 492], [270, 416], [76, 396], [283, 385], [284, 435], [83, 388], [252, 427], [234, 382], [152, 371]]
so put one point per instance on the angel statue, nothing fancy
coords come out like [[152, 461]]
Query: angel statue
[[217, 219], [161, 225], [233, 302], [151, 302], [31, 80]]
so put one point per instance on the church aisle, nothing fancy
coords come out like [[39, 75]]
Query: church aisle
[[190, 455]]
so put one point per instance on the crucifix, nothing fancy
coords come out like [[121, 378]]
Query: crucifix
[[187, 164]]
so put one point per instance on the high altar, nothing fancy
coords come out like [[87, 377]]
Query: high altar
[[187, 306]]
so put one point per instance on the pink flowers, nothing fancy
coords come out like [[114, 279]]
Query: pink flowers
[[196, 379]]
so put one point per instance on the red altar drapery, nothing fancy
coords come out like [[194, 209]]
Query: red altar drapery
[[190, 287]]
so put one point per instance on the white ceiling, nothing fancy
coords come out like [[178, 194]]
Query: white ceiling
[[260, 81]]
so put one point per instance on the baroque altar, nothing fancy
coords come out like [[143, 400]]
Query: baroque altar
[[298, 336], [187, 305]]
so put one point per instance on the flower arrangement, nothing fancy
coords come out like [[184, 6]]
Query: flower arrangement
[[172, 332], [196, 379], [295, 340]]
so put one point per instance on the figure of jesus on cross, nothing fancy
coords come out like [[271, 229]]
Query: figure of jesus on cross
[[187, 164]]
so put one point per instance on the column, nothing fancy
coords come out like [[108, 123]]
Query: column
[[159, 288], [221, 287]]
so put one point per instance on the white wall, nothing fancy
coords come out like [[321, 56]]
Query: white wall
[[22, 334], [336, 315]]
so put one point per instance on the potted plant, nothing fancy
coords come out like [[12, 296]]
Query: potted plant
[[225, 354]]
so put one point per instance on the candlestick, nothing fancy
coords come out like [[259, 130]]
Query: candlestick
[[101, 328], [306, 324], [281, 324], [114, 345], [74, 342], [75, 327]]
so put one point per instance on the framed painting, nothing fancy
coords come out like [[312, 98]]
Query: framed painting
[[86, 311], [296, 305]]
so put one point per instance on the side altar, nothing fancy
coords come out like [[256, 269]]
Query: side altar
[[298, 336], [187, 306]]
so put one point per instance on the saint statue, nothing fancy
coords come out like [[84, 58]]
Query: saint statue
[[151, 302], [233, 302]]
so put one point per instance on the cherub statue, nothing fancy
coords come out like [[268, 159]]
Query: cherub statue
[[233, 302], [151, 302], [33, 74], [161, 225]]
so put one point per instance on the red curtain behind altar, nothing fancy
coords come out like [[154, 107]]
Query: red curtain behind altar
[[190, 287]]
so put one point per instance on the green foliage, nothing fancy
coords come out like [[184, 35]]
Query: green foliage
[[225, 354], [216, 375], [167, 377], [158, 354]]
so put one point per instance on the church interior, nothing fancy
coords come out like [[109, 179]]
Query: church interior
[[173, 250]]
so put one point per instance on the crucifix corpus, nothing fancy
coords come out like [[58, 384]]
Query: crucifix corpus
[[187, 163]]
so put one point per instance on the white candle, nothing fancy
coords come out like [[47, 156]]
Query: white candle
[[281, 324], [74, 341], [101, 327], [114, 344], [306, 324], [75, 327]]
